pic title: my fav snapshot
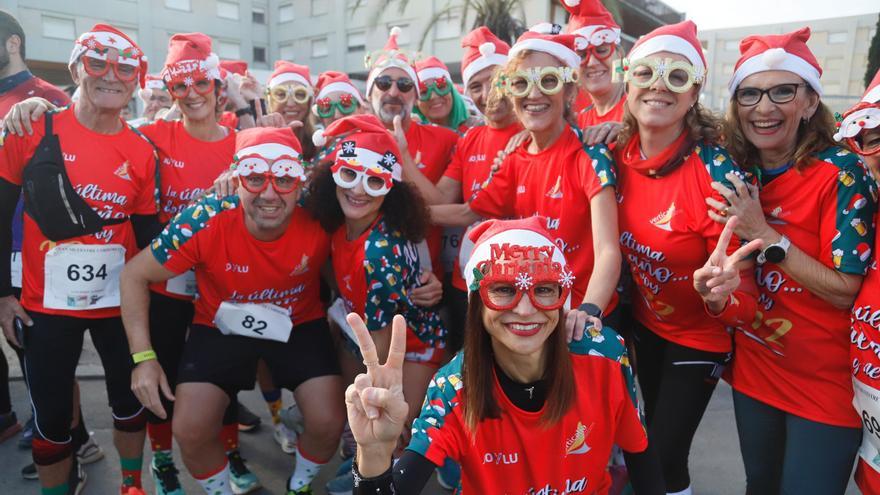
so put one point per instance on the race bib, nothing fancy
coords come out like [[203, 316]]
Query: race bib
[[337, 314], [258, 321], [867, 403], [83, 276], [467, 247], [15, 269], [183, 284], [452, 237]]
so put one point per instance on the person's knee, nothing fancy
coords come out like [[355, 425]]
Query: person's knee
[[326, 426], [191, 430]]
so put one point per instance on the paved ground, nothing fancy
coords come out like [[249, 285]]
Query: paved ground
[[716, 467]]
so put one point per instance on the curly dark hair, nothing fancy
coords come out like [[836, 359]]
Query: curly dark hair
[[404, 209]]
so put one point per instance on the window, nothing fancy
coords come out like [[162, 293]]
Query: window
[[838, 37], [228, 50], [178, 5], [258, 16], [833, 64], [403, 37], [319, 48], [227, 10], [731, 45], [357, 41], [56, 27], [319, 7], [286, 52], [285, 13], [260, 54], [447, 27]]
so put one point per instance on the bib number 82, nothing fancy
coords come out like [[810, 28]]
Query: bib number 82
[[86, 273], [254, 325]]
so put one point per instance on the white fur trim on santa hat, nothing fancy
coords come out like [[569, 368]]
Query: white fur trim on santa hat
[[342, 87], [434, 73], [393, 62], [872, 96], [154, 84], [856, 122], [777, 59], [572, 3], [668, 43], [520, 237], [288, 77], [269, 151], [566, 55], [481, 63]]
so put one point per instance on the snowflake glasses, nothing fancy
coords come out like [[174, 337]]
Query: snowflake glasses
[[516, 270], [440, 87], [327, 108], [281, 93], [256, 172], [362, 166], [97, 67], [181, 89], [549, 80], [678, 75]]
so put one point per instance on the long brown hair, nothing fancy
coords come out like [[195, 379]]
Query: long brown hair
[[478, 371], [571, 88], [700, 123], [813, 136]]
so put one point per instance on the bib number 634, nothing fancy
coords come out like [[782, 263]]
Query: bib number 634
[[86, 273]]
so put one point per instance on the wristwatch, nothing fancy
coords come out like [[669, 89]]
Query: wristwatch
[[776, 252], [591, 309]]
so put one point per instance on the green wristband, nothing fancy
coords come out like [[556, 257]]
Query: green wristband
[[140, 357]]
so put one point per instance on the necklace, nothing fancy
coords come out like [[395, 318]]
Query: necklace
[[530, 390]]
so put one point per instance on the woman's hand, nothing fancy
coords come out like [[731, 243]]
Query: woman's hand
[[577, 322], [430, 291], [18, 119], [605, 133], [743, 203], [226, 184], [376, 408], [719, 277]]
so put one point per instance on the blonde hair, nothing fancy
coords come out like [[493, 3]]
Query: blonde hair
[[570, 89], [700, 123]]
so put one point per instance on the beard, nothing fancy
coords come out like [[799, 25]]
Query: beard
[[387, 116]]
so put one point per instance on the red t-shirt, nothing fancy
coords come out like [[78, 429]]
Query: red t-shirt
[[516, 453], [795, 355], [231, 265], [229, 119], [557, 183], [864, 341], [590, 117], [115, 175], [582, 101], [665, 235], [471, 165]]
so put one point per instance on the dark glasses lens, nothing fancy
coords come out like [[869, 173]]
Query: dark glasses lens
[[383, 82], [405, 84]]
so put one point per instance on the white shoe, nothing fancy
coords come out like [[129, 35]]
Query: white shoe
[[89, 452], [292, 418], [286, 438]]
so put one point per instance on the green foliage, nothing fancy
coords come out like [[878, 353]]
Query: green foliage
[[873, 55]]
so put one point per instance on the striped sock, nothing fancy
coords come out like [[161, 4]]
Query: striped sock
[[131, 471]]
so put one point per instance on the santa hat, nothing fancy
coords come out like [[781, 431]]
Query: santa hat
[[863, 115], [546, 38], [366, 143], [505, 240], [432, 68], [680, 39], [788, 52], [262, 144], [102, 37], [333, 81], [481, 49], [154, 81], [590, 19], [288, 71], [239, 67], [390, 56], [190, 59]]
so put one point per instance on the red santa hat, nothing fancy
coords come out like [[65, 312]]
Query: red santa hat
[[863, 115], [389, 56], [788, 52], [257, 146], [590, 19], [97, 41], [333, 81], [288, 71], [190, 59], [547, 38], [526, 242], [366, 145], [680, 39], [481, 49], [154, 81], [239, 67], [432, 68]]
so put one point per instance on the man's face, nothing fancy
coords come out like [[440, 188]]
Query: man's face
[[268, 212], [105, 92], [157, 100], [391, 102]]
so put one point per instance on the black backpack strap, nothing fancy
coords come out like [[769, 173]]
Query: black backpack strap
[[48, 122], [156, 191]]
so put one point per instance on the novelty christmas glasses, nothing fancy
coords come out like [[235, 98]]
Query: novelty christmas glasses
[[513, 270], [549, 80], [678, 75], [327, 108], [440, 87], [256, 172], [281, 93]]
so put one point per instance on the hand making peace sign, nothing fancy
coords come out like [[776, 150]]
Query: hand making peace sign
[[719, 277]]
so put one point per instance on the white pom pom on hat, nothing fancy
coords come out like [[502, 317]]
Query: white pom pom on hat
[[395, 31], [212, 62], [487, 49], [572, 3], [774, 57], [318, 138]]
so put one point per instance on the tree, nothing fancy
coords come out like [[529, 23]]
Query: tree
[[873, 55]]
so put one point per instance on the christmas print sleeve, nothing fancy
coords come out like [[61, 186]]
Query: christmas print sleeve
[[438, 431], [385, 275], [846, 225], [601, 172], [177, 247]]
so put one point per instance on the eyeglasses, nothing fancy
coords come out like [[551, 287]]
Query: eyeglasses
[[404, 84], [865, 143], [181, 90], [678, 75], [440, 87], [96, 67], [280, 93], [781, 93], [327, 108], [347, 176], [503, 296], [549, 80], [601, 52], [257, 183], [285, 173]]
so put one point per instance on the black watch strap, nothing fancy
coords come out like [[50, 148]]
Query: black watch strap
[[591, 309], [241, 112], [380, 485]]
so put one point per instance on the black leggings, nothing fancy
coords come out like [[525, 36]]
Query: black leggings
[[677, 383], [169, 321]]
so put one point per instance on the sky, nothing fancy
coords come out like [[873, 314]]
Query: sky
[[713, 14]]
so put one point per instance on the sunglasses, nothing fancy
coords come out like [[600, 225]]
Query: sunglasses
[[299, 94], [781, 93], [327, 108], [601, 52], [348, 177], [679, 76], [96, 67], [503, 296], [404, 84], [549, 80], [440, 87], [182, 89]]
